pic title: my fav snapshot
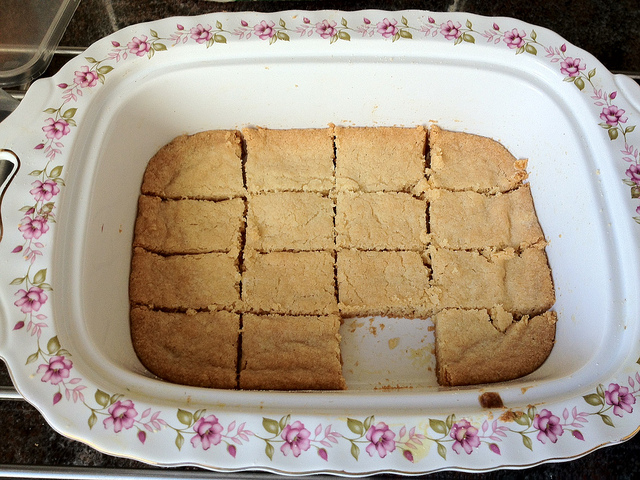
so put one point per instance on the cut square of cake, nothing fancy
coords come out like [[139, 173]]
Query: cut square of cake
[[371, 159], [394, 284], [471, 349], [380, 221], [289, 160], [470, 220], [198, 349], [188, 226], [463, 161], [293, 283], [208, 280], [291, 353], [206, 166], [292, 221], [521, 283]]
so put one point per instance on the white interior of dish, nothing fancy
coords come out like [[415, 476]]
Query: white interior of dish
[[516, 101]]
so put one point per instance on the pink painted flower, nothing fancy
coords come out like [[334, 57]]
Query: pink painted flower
[[56, 370], [56, 128], [620, 398], [381, 438], [33, 227], [207, 432], [450, 30], [85, 77], [465, 437], [613, 115], [408, 455], [571, 67], [296, 439], [32, 300], [265, 30], [121, 415], [515, 38], [548, 425], [387, 28], [201, 34], [44, 190], [139, 46], [326, 29]]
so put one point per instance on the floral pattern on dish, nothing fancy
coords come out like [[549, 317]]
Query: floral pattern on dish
[[381, 439]]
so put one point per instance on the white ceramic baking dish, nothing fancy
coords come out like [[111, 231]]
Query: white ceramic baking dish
[[82, 140]]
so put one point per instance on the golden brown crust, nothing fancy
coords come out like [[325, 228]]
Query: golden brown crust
[[462, 161], [206, 165], [471, 350], [291, 353], [208, 280], [199, 349], [188, 226], [375, 159]]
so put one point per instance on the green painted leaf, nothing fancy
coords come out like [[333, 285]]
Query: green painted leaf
[[523, 420], [218, 24], [368, 422], [219, 38], [56, 171], [185, 417], [271, 425], [69, 113], [343, 22], [534, 35], [18, 281], [179, 441], [35, 173], [530, 49], [468, 38], [532, 412], [32, 358], [600, 390], [282, 24], [151, 53], [115, 397], [40, 276], [469, 24], [519, 50], [592, 73], [635, 192], [269, 450], [406, 34], [342, 35], [93, 418], [451, 419], [283, 36], [284, 421], [613, 133], [159, 47], [198, 414], [355, 426], [438, 426], [53, 345], [72, 122], [50, 111], [90, 59], [458, 40], [579, 82], [629, 183], [593, 399], [607, 420], [153, 33], [355, 451], [102, 398], [105, 69], [46, 286], [527, 442], [638, 361], [630, 129], [442, 451], [404, 21]]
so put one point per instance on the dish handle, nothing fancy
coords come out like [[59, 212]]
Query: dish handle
[[9, 165]]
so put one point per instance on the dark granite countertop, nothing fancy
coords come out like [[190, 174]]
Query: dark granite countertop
[[607, 29]]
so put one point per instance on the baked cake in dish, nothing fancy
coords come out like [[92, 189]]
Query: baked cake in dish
[[249, 248]]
